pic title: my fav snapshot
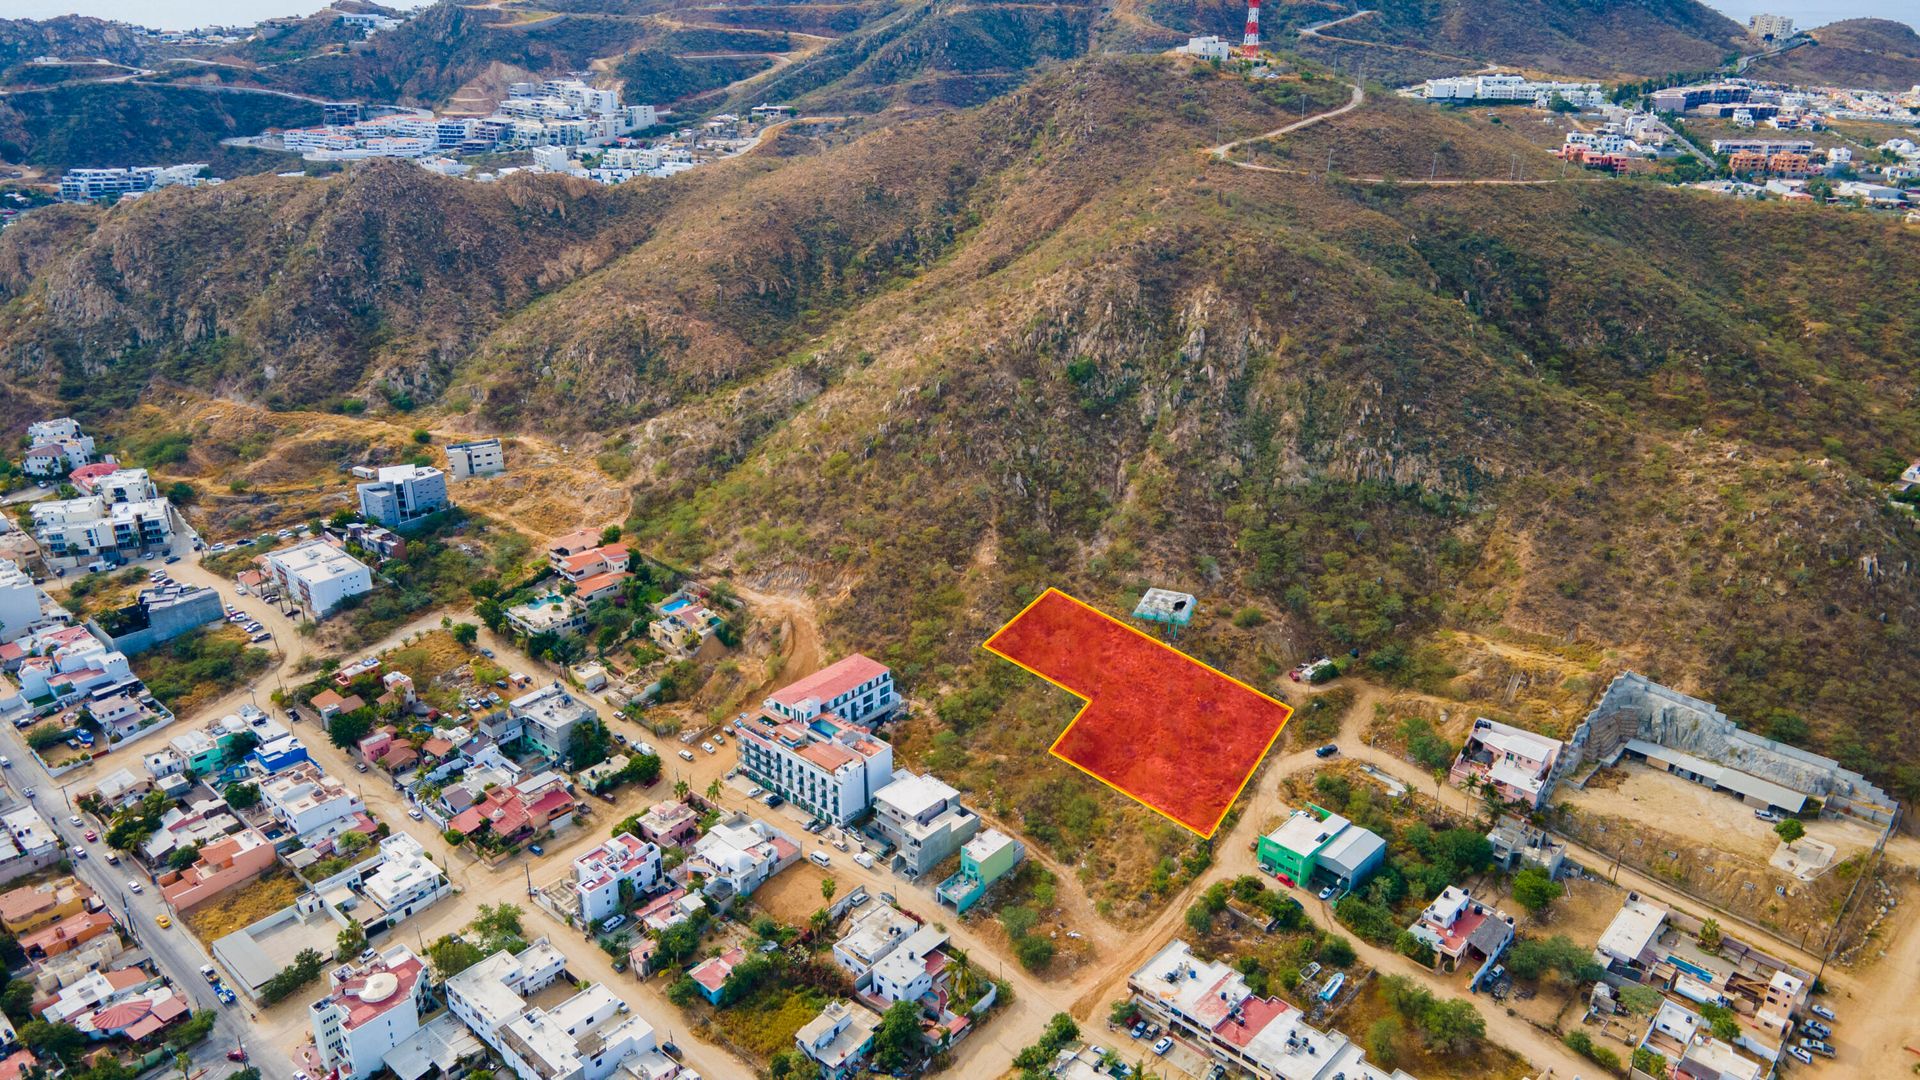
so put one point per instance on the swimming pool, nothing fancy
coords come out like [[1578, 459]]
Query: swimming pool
[[674, 605]]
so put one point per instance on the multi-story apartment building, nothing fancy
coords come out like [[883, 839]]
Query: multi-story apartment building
[[306, 799], [829, 767], [598, 875], [548, 716], [738, 855], [94, 525], [19, 601], [368, 1010], [56, 447], [403, 495], [480, 457], [318, 576], [406, 882], [493, 993], [855, 688], [585, 1037], [924, 820]]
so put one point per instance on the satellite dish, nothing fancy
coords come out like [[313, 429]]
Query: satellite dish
[[379, 986]]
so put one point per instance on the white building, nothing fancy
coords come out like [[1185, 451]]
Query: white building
[[870, 937], [740, 854], [493, 993], [318, 575], [94, 525], [84, 185], [368, 1011], [407, 881], [403, 495], [306, 799], [1210, 1005], [1510, 87], [1209, 47], [838, 1039], [1769, 27], [598, 875], [548, 716], [19, 601], [923, 818], [585, 1037], [57, 447], [855, 688], [480, 457]]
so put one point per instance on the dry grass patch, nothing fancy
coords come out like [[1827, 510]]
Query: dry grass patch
[[243, 907]]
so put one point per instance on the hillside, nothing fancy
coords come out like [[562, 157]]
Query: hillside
[[70, 36], [917, 373], [1877, 54], [84, 126], [1596, 38]]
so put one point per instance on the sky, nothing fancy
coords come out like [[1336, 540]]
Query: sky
[[188, 14], [1810, 13]]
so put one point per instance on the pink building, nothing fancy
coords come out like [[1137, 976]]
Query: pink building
[[1518, 764], [224, 865]]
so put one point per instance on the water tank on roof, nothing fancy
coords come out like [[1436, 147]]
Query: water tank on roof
[[379, 986]]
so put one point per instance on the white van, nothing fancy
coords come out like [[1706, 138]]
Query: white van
[[864, 859], [819, 858]]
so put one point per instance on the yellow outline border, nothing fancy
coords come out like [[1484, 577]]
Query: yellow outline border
[[1285, 709]]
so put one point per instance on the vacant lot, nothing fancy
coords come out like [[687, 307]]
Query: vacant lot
[[1665, 801], [222, 916]]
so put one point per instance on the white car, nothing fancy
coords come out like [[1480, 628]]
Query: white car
[[864, 859], [686, 755], [708, 747], [133, 886], [73, 820], [819, 858], [5, 762], [414, 813], [754, 792], [1165, 1044]]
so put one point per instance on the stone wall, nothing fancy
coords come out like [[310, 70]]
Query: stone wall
[[1635, 707]]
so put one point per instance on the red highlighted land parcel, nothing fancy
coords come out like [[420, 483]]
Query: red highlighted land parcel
[[1159, 726]]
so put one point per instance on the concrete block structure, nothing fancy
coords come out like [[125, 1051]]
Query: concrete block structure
[[924, 820], [1641, 719], [403, 495], [157, 616], [479, 457], [985, 859], [223, 865], [318, 576], [598, 875]]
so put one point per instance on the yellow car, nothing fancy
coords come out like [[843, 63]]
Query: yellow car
[[164, 920]]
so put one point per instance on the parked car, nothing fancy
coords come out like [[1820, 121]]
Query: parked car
[[237, 1055], [359, 766], [414, 813], [720, 738], [1766, 815], [5, 762], [224, 993], [1326, 893], [1153, 1031], [707, 746], [536, 849], [1817, 1046], [1326, 751], [1139, 1028], [686, 755], [488, 653], [819, 858], [173, 558], [259, 637], [113, 858], [612, 924], [775, 802], [1165, 1044], [864, 860], [133, 886], [888, 898], [858, 899], [207, 973], [163, 920], [1801, 1053], [754, 791], [1823, 1012], [29, 793], [1816, 1029]]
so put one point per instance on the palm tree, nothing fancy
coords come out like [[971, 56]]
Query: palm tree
[[681, 789], [713, 791]]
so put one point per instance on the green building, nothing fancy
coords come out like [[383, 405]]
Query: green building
[[1318, 841], [984, 860]]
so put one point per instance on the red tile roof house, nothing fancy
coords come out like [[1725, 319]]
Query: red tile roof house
[[15, 1065], [66, 934], [509, 817], [327, 704], [85, 476], [711, 975], [224, 865], [137, 1018]]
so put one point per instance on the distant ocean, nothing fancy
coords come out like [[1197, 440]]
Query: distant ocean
[[189, 14], [176, 14]]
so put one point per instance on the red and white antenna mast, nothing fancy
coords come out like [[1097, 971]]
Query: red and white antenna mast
[[1251, 45]]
